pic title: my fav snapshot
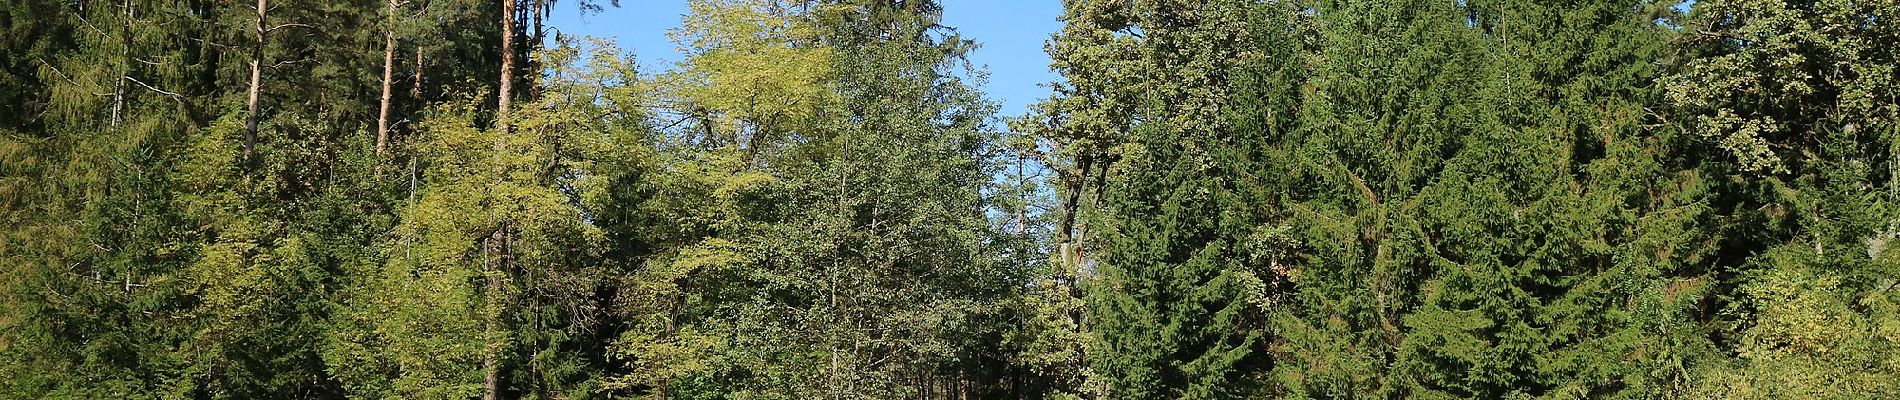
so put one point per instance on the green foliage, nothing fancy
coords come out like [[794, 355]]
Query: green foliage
[[1225, 199], [1792, 98], [1172, 305], [830, 239], [1479, 199]]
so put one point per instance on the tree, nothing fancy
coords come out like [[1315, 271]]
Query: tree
[[833, 174], [389, 67], [1796, 102], [1227, 199], [1175, 307], [90, 250], [222, 244]]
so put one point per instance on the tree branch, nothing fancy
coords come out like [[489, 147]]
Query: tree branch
[[174, 96], [219, 45], [285, 63], [290, 25], [68, 79]]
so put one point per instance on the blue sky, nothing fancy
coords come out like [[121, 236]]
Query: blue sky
[[1011, 33]]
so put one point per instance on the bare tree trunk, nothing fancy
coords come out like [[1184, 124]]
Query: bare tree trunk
[[1068, 236], [491, 362], [257, 58], [507, 65], [963, 386], [389, 68], [535, 9], [125, 64], [416, 91]]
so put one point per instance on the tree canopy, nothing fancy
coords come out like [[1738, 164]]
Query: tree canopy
[[1219, 199]]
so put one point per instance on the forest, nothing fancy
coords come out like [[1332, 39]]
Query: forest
[[1220, 199]]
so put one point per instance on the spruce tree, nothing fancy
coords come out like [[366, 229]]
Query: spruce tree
[[1173, 287]]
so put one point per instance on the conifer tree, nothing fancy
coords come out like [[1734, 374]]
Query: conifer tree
[[1174, 308], [1222, 199]]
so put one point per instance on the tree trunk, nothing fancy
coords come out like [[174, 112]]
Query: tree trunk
[[1068, 236], [491, 362], [257, 58], [389, 68], [535, 10], [507, 67], [125, 64], [416, 91]]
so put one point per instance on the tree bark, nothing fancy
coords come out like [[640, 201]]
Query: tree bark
[[257, 71], [491, 362], [1068, 236], [416, 91], [389, 68], [507, 66], [535, 10], [125, 64]]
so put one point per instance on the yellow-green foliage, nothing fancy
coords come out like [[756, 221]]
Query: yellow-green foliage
[[753, 64], [1810, 339], [1402, 199]]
